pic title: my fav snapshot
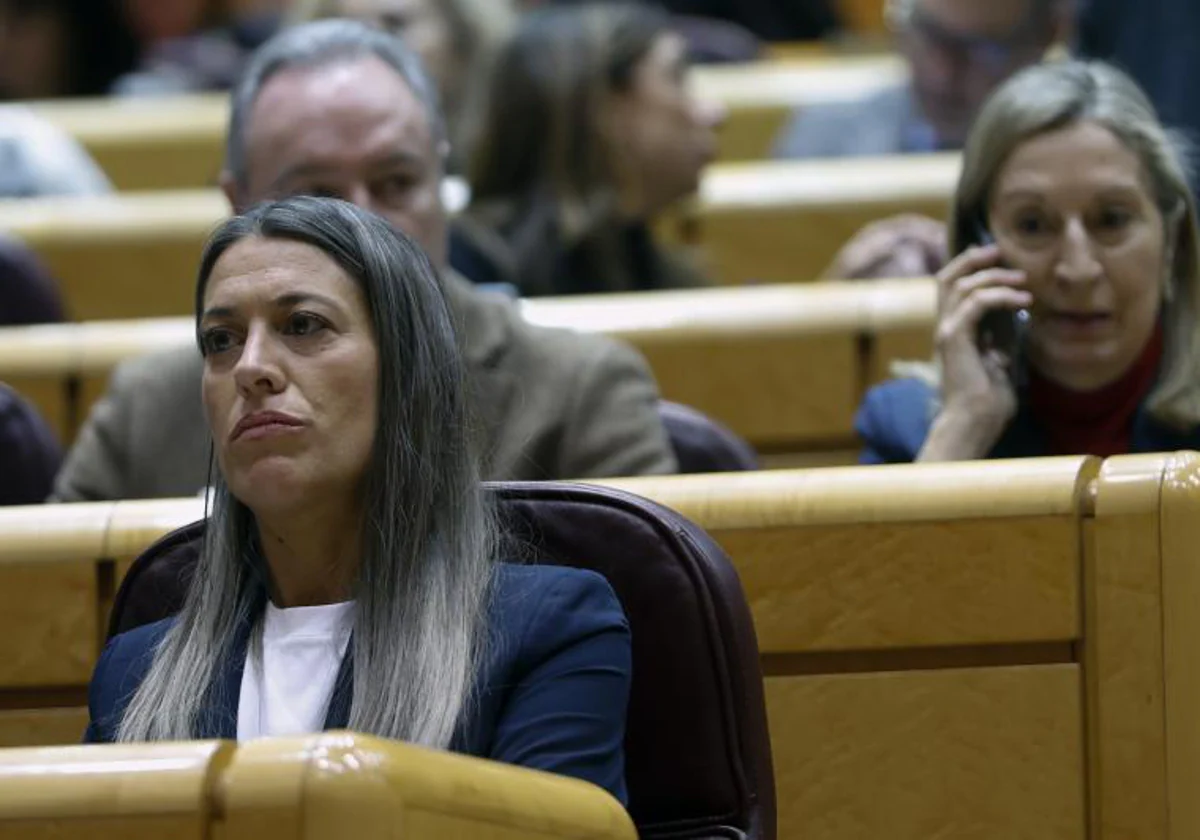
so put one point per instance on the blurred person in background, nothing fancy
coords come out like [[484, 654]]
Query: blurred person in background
[[1075, 330], [592, 131], [457, 41], [1158, 43], [771, 20], [29, 454], [340, 109], [957, 52], [57, 48], [196, 45]]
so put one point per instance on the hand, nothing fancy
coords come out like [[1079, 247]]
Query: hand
[[978, 399], [900, 246]]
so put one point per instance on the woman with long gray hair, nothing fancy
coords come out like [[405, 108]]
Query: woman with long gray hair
[[1068, 323], [348, 576]]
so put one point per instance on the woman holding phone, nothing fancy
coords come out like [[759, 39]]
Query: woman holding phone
[[1067, 323]]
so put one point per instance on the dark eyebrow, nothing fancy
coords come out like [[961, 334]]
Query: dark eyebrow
[[282, 302]]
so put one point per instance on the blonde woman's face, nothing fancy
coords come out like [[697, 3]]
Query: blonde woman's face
[[1072, 208]]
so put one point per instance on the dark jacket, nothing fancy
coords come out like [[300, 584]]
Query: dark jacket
[[552, 692], [29, 454], [484, 253], [895, 418]]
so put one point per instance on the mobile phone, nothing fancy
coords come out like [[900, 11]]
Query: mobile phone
[[1001, 328]]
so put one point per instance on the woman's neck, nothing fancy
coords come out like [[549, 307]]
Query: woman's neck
[[312, 555]]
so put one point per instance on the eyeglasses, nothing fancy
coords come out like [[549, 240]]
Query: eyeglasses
[[994, 55]]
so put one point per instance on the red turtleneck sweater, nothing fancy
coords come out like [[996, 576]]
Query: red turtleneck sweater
[[1096, 422]]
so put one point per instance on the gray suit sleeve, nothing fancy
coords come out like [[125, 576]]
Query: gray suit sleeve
[[613, 427], [97, 467]]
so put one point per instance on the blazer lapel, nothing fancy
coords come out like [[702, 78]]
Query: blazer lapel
[[219, 716], [338, 716]]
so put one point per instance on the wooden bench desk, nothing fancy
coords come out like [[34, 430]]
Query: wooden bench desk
[[178, 142], [988, 649], [784, 366], [317, 787], [134, 255]]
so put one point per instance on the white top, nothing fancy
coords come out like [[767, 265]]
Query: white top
[[287, 692]]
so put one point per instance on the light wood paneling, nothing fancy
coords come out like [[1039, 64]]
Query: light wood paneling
[[884, 586], [976, 754], [42, 727], [784, 366], [783, 222]]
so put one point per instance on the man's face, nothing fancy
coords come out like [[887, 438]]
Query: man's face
[[959, 51], [353, 130]]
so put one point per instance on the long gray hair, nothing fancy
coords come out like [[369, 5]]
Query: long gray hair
[[428, 535]]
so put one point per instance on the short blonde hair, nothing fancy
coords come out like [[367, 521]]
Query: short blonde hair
[[1048, 97]]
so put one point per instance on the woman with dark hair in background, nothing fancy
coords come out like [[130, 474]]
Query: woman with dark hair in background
[[591, 133], [55, 48], [348, 576]]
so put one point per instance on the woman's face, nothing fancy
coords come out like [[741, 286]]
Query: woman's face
[[1072, 208], [290, 375], [661, 135]]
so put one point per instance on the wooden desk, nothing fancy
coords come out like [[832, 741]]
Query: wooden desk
[[319, 787], [171, 143], [134, 255], [989, 649], [782, 222], [784, 366]]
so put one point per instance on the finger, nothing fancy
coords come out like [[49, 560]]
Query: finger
[[998, 365], [954, 295], [975, 258], [963, 321]]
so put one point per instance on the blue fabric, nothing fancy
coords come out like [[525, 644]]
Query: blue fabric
[[895, 418], [552, 692]]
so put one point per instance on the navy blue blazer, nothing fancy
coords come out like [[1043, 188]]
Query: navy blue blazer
[[895, 418], [552, 691]]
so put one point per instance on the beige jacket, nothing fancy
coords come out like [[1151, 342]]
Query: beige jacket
[[553, 404]]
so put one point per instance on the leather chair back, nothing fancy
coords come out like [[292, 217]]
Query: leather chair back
[[701, 444], [698, 756]]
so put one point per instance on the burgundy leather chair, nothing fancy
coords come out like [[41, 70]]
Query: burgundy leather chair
[[703, 445], [698, 758]]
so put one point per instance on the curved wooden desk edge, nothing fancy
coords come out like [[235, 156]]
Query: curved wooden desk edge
[[376, 785]]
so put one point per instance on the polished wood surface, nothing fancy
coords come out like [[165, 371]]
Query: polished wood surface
[[177, 142], [986, 650], [134, 255], [911, 755], [319, 787], [785, 366], [784, 221]]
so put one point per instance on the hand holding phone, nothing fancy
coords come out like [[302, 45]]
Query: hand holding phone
[[1003, 329]]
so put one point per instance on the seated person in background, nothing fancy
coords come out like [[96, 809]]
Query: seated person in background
[[29, 454], [1158, 43], [957, 52], [54, 48], [28, 294], [350, 578], [1076, 330], [591, 133], [341, 108], [457, 41], [39, 159]]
